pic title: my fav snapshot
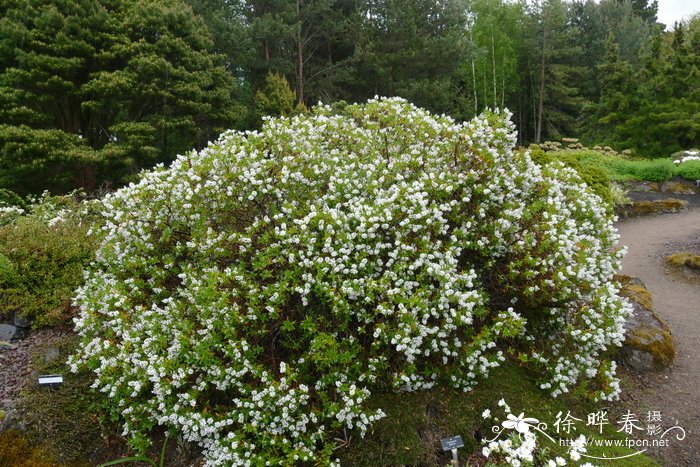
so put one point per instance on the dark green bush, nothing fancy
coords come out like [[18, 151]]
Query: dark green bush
[[538, 155], [689, 170], [10, 198], [599, 180]]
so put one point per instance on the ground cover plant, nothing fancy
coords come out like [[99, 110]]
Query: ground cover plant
[[252, 296]]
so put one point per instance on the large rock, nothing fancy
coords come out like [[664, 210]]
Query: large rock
[[648, 344], [685, 265], [679, 187], [644, 208]]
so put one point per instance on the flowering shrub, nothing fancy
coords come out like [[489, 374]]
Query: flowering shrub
[[253, 295]]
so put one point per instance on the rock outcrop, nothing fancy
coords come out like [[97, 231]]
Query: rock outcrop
[[643, 208], [649, 344]]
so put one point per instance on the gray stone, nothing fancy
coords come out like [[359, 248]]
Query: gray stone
[[22, 321], [9, 332], [638, 360], [634, 280]]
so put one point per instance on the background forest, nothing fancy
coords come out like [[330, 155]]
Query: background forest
[[93, 91]]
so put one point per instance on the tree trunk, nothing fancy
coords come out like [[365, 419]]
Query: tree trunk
[[300, 57], [493, 60], [486, 95], [540, 105], [472, 53], [503, 78], [493, 64]]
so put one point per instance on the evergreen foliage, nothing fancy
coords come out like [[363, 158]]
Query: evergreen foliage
[[96, 91], [93, 91]]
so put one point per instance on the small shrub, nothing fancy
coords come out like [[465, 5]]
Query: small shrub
[[619, 195], [539, 156], [254, 295], [599, 180], [659, 170], [42, 255], [689, 170]]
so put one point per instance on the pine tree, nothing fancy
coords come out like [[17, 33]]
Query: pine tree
[[103, 89], [616, 104]]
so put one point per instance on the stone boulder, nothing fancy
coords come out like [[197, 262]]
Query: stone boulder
[[644, 208], [648, 344], [685, 265], [21, 321], [679, 187], [8, 332]]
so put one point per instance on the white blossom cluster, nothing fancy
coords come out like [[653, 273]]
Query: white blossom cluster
[[520, 447], [251, 296], [690, 156], [10, 214], [48, 209]]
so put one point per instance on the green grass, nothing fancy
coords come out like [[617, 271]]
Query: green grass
[[410, 433]]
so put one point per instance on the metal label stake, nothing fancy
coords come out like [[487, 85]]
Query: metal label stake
[[452, 444]]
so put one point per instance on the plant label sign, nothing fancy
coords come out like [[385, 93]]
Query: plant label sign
[[50, 380], [448, 444]]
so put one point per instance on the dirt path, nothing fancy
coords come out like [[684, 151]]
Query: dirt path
[[676, 391]]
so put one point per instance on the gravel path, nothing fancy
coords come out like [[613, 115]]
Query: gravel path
[[676, 391]]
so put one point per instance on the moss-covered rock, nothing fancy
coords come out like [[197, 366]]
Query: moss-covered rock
[[16, 450], [649, 344], [639, 294], [679, 187], [686, 265], [688, 260], [642, 186], [643, 208]]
